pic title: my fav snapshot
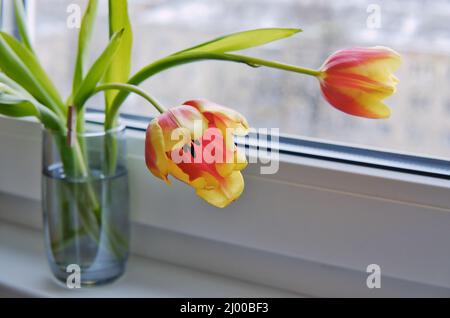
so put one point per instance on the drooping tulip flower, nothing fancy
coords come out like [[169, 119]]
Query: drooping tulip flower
[[356, 81], [194, 143]]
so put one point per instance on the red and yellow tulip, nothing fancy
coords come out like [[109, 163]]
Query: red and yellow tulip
[[194, 143], [356, 81]]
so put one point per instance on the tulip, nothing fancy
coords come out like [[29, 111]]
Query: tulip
[[356, 81], [194, 144]]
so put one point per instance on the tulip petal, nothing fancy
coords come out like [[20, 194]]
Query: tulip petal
[[378, 71], [221, 116], [208, 182], [240, 160], [368, 107], [179, 122], [238, 163], [359, 83], [229, 190], [354, 57], [155, 157]]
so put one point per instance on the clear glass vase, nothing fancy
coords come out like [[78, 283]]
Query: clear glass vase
[[85, 200]]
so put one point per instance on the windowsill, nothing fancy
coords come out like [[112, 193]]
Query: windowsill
[[311, 229], [24, 273]]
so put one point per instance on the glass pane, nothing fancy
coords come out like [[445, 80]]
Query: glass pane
[[418, 29]]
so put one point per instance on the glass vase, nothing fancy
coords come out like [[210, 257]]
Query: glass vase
[[85, 201]]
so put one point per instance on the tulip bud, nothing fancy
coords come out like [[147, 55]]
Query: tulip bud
[[356, 81]]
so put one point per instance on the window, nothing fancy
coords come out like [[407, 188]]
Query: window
[[419, 30], [317, 224]]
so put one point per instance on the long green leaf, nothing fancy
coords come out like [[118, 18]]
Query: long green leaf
[[233, 42], [97, 71], [15, 106], [32, 63], [13, 85], [242, 40], [21, 65], [15, 102], [84, 37], [119, 70], [21, 20]]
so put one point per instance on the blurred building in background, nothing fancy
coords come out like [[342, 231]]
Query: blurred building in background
[[418, 29]]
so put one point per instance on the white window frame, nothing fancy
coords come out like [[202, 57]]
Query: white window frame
[[312, 228]]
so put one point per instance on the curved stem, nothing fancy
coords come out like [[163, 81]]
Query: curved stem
[[190, 57], [252, 61], [129, 89]]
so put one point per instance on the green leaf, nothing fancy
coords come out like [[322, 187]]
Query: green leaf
[[242, 40], [97, 71], [13, 105], [15, 102], [119, 70], [22, 66], [84, 37], [13, 85], [21, 20]]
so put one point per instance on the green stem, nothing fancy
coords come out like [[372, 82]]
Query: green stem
[[76, 167], [253, 61], [110, 144], [190, 57], [109, 120]]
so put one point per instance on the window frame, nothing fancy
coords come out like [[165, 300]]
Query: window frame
[[304, 147]]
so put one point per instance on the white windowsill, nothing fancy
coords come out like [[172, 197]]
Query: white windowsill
[[24, 272]]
